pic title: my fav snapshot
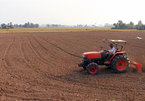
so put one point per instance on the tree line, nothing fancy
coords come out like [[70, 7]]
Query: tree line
[[121, 25], [26, 25]]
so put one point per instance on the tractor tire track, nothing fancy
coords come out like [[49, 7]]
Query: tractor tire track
[[26, 60], [5, 61], [44, 61], [37, 70], [38, 54], [46, 75], [56, 46], [7, 64], [30, 98], [10, 88]]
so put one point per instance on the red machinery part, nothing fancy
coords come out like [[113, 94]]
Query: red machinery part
[[138, 67]]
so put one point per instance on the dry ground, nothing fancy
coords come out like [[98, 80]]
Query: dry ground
[[37, 66]]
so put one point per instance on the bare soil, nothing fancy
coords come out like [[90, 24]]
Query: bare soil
[[42, 67]]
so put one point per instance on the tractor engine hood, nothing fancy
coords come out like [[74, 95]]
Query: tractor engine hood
[[92, 55]]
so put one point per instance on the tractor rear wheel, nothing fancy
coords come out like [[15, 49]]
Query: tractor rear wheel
[[92, 68], [120, 64]]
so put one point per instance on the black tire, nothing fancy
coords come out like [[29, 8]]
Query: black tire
[[120, 64], [84, 67], [92, 68]]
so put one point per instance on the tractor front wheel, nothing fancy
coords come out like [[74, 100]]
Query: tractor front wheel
[[92, 68], [120, 64]]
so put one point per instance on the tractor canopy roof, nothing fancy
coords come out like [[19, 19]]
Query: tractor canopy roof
[[117, 41]]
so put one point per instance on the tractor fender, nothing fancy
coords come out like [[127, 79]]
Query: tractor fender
[[117, 53]]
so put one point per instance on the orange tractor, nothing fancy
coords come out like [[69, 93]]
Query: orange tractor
[[118, 62]]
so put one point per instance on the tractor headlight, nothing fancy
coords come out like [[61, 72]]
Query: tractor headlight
[[84, 57]]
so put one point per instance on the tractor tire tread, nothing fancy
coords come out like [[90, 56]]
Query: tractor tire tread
[[89, 65], [114, 61]]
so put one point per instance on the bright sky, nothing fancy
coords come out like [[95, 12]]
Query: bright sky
[[71, 12]]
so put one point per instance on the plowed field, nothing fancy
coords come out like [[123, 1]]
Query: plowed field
[[43, 67]]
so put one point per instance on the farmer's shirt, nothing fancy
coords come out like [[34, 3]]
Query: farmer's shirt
[[112, 50]]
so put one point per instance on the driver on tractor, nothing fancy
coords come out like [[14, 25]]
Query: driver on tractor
[[110, 53]]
